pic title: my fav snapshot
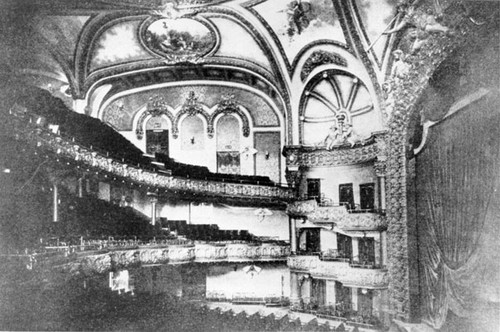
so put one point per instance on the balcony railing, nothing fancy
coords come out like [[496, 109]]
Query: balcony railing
[[338, 214], [92, 161], [347, 274]]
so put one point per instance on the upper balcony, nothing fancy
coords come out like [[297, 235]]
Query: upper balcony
[[338, 214], [350, 275], [68, 154]]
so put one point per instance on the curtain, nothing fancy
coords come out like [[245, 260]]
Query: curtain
[[458, 198]]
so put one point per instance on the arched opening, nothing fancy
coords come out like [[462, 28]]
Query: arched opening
[[228, 145], [157, 135]]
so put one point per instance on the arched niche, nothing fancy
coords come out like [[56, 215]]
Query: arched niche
[[192, 133], [334, 100], [228, 136]]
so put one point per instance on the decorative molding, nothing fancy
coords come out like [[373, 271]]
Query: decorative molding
[[340, 271], [156, 106], [191, 107], [228, 105], [318, 58], [337, 215]]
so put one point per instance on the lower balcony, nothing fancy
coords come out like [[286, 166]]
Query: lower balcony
[[348, 274]]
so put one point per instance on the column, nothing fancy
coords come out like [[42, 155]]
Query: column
[[381, 197], [80, 187], [293, 234], [355, 249], [294, 288], [354, 297], [153, 198], [330, 293], [55, 203], [383, 248]]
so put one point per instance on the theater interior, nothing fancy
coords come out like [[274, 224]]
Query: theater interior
[[250, 165]]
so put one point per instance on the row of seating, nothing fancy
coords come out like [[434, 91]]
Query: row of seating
[[205, 232]]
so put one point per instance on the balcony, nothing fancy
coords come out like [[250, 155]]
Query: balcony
[[338, 214], [312, 156], [350, 275], [70, 154]]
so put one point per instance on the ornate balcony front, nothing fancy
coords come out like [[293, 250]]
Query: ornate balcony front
[[339, 215], [319, 156], [348, 275], [88, 161]]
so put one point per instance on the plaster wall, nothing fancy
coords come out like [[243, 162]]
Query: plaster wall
[[332, 177]]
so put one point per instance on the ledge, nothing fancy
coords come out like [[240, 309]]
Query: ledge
[[340, 271]]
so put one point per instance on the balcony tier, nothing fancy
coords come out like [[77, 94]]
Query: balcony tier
[[340, 271], [70, 154], [339, 215]]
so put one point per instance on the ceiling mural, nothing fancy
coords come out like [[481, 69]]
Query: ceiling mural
[[298, 23], [375, 25], [118, 44], [121, 112], [236, 42], [179, 39]]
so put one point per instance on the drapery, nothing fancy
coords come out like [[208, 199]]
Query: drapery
[[458, 186]]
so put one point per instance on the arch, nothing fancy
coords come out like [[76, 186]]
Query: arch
[[191, 107], [156, 106], [228, 106], [344, 100]]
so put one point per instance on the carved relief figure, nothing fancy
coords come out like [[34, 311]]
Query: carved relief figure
[[333, 138], [425, 22]]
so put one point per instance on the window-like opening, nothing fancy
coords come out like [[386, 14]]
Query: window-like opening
[[314, 189], [344, 245], [228, 145], [346, 196], [367, 196]]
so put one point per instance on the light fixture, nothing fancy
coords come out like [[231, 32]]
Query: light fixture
[[267, 155], [192, 140], [6, 170], [364, 291]]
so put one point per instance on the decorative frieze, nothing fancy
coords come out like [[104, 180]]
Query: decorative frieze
[[339, 271]]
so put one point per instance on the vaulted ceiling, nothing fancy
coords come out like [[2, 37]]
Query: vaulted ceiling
[[273, 47]]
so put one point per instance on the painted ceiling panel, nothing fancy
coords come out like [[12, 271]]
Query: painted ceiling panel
[[237, 42], [121, 112], [297, 24], [118, 44], [375, 16]]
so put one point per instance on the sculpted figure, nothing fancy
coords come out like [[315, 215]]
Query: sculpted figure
[[424, 22]]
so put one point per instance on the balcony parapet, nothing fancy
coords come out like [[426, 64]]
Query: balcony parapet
[[349, 276], [339, 215], [92, 161], [241, 252], [315, 156], [105, 260]]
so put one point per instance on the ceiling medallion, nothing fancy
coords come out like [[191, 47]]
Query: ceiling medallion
[[177, 37]]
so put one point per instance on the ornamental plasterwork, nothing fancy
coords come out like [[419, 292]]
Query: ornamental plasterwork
[[337, 215], [191, 107], [228, 105], [340, 271], [319, 58], [156, 106]]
